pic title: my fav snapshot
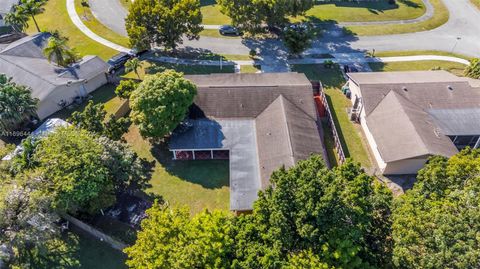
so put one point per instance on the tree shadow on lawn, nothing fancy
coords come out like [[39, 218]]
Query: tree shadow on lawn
[[210, 174]]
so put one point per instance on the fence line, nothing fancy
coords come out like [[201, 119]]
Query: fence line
[[331, 123]]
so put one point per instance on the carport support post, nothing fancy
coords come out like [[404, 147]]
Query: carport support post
[[174, 154], [193, 151], [477, 144], [211, 154]]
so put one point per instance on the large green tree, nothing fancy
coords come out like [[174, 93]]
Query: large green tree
[[161, 102], [340, 215], [31, 8], [250, 15], [297, 40], [171, 239], [163, 22], [16, 104], [75, 174], [437, 223]]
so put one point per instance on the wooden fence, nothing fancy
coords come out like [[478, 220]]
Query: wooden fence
[[331, 124]]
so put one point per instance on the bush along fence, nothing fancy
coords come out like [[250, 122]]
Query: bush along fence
[[325, 112]]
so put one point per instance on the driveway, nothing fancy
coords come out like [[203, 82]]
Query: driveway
[[460, 34]]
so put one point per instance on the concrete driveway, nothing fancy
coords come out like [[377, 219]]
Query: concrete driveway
[[460, 34]]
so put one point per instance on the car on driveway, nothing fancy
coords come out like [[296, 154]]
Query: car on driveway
[[229, 30], [118, 61]]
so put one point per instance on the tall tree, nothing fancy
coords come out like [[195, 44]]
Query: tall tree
[[161, 102], [125, 88], [436, 224], [18, 20], [297, 40], [163, 22], [171, 239], [58, 51], [31, 8], [341, 215], [16, 104], [250, 15], [133, 65]]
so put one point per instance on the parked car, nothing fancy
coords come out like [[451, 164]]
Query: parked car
[[118, 61], [229, 30], [137, 52]]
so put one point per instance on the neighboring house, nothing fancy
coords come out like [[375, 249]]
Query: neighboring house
[[54, 86], [43, 130], [5, 8], [409, 116], [260, 122]]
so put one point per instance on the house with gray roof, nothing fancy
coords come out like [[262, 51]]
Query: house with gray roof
[[53, 85], [409, 116], [259, 122]]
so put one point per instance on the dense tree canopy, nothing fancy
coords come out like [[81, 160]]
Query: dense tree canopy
[[16, 104], [161, 102], [163, 22], [125, 88], [437, 223], [171, 239], [311, 217], [250, 15], [297, 39]]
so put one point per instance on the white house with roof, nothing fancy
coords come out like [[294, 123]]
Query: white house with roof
[[409, 116], [54, 86]]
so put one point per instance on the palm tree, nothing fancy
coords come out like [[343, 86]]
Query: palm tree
[[58, 51], [31, 8], [18, 21], [16, 104], [133, 65]]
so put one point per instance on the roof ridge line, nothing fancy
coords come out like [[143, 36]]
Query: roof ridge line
[[288, 127]]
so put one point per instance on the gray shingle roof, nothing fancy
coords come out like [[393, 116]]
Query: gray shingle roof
[[6, 6], [23, 60]]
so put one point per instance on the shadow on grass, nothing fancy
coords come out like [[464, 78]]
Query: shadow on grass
[[210, 174], [341, 136], [157, 67], [207, 3]]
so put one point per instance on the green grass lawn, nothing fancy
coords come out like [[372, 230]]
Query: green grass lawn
[[440, 17], [197, 184], [97, 27], [250, 68], [152, 68], [125, 3], [211, 13], [56, 17], [419, 52], [350, 134], [455, 68], [354, 11], [215, 33]]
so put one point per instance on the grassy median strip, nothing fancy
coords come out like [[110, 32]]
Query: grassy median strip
[[455, 68], [440, 17], [56, 17]]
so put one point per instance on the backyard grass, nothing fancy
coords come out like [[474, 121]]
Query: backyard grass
[[196, 184], [211, 13], [440, 17], [350, 134], [455, 68], [56, 17], [419, 52], [97, 27]]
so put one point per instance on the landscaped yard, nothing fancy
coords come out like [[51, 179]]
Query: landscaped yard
[[440, 17], [455, 68], [476, 3], [350, 134], [56, 17]]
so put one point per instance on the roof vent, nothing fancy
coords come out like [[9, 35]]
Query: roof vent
[[241, 105], [450, 87], [404, 89]]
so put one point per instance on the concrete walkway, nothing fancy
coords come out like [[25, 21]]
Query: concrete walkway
[[82, 27]]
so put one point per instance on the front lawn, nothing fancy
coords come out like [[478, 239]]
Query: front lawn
[[440, 17], [56, 17], [350, 134], [419, 52], [211, 13], [455, 68]]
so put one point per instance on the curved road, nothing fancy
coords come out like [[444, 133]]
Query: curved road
[[460, 34]]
